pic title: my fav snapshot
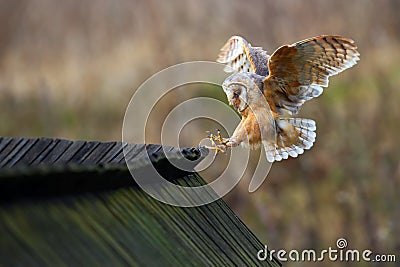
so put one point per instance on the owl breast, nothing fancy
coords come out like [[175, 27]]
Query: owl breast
[[252, 128]]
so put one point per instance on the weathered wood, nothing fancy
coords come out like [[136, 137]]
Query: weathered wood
[[75, 203], [86, 166], [22, 152]]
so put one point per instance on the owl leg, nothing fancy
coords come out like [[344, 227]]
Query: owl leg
[[230, 142], [238, 136]]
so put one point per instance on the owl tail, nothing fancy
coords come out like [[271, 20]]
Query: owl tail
[[293, 136]]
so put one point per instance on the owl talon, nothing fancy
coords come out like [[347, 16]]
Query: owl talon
[[217, 148], [218, 143], [218, 138]]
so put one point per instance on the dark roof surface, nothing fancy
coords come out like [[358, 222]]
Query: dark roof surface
[[75, 203]]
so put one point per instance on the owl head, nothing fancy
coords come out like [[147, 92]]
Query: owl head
[[243, 89]]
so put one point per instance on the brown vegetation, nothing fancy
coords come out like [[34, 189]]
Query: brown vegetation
[[69, 68]]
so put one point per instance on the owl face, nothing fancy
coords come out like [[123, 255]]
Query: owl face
[[237, 95], [241, 88]]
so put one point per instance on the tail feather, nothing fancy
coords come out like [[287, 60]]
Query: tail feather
[[294, 135]]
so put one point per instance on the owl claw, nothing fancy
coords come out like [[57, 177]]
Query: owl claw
[[217, 148], [218, 143], [218, 138]]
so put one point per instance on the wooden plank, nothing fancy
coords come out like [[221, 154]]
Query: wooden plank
[[56, 153], [83, 152], [46, 154], [31, 152], [69, 153], [98, 153], [11, 150], [3, 143], [112, 155], [21, 153], [132, 151]]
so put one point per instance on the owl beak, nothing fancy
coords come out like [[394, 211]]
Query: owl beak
[[236, 104]]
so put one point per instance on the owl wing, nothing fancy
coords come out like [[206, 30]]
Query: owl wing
[[240, 56], [299, 71]]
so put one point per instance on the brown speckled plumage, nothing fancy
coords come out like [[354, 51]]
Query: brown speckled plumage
[[262, 86]]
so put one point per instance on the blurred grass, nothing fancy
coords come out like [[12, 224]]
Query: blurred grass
[[68, 69]]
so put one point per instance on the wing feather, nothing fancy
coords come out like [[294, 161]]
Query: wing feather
[[298, 72], [240, 56]]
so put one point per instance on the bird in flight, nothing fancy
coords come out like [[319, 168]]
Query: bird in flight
[[263, 86]]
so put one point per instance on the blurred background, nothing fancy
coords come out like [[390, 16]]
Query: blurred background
[[69, 68]]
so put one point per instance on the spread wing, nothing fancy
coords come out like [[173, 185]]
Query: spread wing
[[298, 72], [240, 56]]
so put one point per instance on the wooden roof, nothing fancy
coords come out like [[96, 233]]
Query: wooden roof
[[74, 203]]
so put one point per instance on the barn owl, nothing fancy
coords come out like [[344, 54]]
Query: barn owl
[[263, 86]]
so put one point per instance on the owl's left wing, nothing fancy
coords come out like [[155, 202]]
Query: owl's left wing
[[240, 56], [299, 71]]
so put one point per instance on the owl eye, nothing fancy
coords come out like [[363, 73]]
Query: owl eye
[[236, 94]]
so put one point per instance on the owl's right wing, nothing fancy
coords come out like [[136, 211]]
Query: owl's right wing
[[298, 72], [238, 55]]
